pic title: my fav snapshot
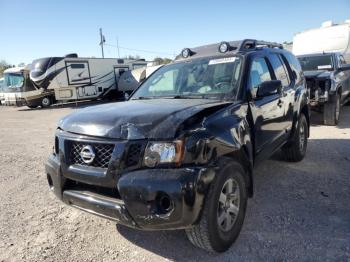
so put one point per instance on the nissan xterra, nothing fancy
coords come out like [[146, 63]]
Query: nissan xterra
[[180, 153]]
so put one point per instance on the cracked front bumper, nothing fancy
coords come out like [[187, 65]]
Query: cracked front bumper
[[139, 193]]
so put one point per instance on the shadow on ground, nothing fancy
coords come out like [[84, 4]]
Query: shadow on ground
[[344, 118]]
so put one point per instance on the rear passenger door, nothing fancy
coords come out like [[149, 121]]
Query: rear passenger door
[[280, 72]]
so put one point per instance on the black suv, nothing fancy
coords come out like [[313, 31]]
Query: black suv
[[180, 153], [328, 80]]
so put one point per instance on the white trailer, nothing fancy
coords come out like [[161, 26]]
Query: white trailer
[[72, 78], [328, 38]]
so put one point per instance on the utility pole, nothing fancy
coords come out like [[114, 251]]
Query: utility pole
[[103, 40], [118, 47]]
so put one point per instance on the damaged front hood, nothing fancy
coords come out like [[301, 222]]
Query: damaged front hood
[[135, 119], [317, 74]]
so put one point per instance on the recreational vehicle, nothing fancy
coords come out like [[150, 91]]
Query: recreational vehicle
[[75, 78], [329, 38], [16, 80]]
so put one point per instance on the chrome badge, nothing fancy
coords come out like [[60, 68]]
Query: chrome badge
[[87, 154]]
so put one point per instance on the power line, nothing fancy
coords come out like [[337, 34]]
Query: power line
[[140, 50]]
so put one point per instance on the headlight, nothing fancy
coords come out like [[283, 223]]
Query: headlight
[[163, 153]]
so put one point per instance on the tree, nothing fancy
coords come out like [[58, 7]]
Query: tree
[[3, 66], [21, 64], [132, 57], [161, 61]]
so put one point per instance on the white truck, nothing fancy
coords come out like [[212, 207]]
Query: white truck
[[329, 38], [72, 78]]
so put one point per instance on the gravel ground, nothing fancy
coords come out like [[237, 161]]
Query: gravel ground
[[300, 212]]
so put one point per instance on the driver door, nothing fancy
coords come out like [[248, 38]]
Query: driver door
[[267, 112]]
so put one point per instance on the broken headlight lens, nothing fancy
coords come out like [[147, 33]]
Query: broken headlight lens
[[158, 153]]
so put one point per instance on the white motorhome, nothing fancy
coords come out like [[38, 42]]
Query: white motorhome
[[76, 78], [16, 80], [328, 38]]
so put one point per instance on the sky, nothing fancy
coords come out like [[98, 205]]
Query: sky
[[36, 28]]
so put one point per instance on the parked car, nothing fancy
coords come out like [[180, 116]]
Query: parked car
[[180, 153], [328, 79]]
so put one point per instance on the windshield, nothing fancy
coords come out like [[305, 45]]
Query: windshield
[[314, 63], [13, 82], [200, 78]]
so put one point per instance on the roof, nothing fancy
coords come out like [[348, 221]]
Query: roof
[[318, 54], [17, 69], [242, 46]]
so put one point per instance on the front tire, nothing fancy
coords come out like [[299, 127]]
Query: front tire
[[331, 111], [224, 210], [295, 149], [46, 102]]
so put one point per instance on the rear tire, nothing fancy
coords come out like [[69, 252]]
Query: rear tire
[[224, 210], [295, 150], [331, 111]]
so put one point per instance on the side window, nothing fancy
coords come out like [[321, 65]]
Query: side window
[[280, 69], [295, 66], [259, 72]]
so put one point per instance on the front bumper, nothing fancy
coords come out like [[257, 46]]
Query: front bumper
[[142, 196]]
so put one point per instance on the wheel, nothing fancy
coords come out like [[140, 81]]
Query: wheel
[[46, 102], [223, 212], [331, 111], [295, 150]]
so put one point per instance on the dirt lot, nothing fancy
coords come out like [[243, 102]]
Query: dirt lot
[[299, 211]]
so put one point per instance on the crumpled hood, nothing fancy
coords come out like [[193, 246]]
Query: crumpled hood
[[135, 119], [317, 74]]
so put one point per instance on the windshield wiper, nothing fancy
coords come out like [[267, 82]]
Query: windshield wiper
[[142, 98]]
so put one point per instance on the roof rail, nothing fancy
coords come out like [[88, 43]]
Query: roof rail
[[247, 44]]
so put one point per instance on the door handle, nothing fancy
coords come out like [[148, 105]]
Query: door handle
[[280, 103]]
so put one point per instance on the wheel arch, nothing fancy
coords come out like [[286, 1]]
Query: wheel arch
[[245, 159]]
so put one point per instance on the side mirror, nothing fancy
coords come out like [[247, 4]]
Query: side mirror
[[268, 88], [344, 67]]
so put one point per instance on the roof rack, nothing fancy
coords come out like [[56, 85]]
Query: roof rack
[[248, 44]]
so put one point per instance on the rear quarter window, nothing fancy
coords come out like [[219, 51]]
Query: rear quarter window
[[295, 67], [280, 69]]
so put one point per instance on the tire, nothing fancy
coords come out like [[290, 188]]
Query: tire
[[331, 111], [32, 106], [295, 150], [46, 102], [208, 234]]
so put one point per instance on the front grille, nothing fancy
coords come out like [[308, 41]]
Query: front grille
[[103, 154], [134, 154]]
